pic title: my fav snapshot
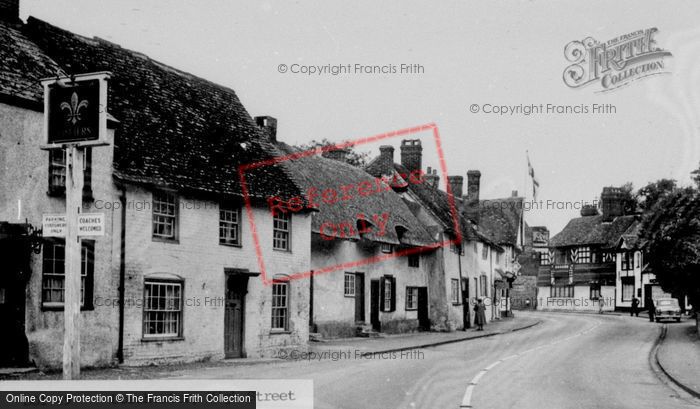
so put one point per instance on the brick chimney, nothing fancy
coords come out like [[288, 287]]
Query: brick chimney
[[411, 154], [471, 199], [386, 152], [337, 154], [431, 178], [268, 124], [456, 185], [613, 203], [9, 11]]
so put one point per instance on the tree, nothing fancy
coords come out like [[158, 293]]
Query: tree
[[354, 157], [647, 196], [672, 230], [629, 201]]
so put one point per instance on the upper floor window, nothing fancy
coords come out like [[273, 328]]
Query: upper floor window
[[54, 273], [498, 258], [484, 251], [484, 290], [229, 225], [626, 260], [281, 229], [544, 258], [165, 216], [581, 255], [57, 172], [414, 260], [457, 248], [386, 248]]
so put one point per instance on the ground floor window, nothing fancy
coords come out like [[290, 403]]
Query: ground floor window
[[627, 288], [454, 294], [562, 291], [349, 290], [54, 277], [595, 291], [280, 305], [162, 311], [388, 293], [411, 298]]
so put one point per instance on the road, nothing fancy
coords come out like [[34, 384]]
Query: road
[[568, 361]]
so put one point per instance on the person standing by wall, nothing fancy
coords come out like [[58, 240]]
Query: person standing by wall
[[635, 307], [480, 315]]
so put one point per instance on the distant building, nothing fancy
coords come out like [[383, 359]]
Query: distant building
[[596, 258], [524, 292]]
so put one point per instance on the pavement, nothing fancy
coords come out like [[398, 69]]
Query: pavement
[[678, 355], [404, 342]]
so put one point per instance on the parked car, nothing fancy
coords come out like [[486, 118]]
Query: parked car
[[667, 308]]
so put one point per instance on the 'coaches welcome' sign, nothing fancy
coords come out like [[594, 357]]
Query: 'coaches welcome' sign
[[75, 110]]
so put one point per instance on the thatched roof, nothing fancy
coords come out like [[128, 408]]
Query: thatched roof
[[319, 173]]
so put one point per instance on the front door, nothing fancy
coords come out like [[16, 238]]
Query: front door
[[236, 288], [374, 295], [14, 272], [466, 321], [423, 317], [359, 297], [647, 296]]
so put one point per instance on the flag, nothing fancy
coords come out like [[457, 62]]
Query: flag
[[535, 182]]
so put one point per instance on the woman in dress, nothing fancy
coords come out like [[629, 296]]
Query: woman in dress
[[480, 315]]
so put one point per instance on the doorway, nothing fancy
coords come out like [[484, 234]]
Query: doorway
[[423, 314], [374, 295], [15, 250], [234, 315], [359, 297]]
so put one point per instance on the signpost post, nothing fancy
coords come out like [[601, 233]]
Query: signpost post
[[75, 116]]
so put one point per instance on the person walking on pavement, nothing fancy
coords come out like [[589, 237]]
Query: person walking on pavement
[[635, 307], [652, 310], [601, 304], [480, 315]]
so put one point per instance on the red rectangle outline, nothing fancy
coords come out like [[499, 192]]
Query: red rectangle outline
[[350, 143]]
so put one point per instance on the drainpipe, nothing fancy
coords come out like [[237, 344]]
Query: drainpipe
[[122, 270]]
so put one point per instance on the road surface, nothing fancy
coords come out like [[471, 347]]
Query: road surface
[[568, 361]]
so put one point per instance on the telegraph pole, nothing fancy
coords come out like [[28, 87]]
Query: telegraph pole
[[75, 157]]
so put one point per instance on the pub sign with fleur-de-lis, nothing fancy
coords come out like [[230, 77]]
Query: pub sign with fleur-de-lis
[[74, 112]]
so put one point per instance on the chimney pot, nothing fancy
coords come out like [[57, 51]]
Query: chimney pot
[[337, 154], [268, 124], [387, 152], [411, 154]]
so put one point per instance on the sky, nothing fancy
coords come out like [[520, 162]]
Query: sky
[[499, 53]]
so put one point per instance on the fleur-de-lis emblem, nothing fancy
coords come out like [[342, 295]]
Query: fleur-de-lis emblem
[[73, 109]]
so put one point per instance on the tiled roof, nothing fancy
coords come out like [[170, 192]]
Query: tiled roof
[[316, 172], [176, 130], [500, 219], [591, 230], [22, 66]]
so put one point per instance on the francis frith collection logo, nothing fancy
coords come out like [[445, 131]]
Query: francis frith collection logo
[[616, 62]]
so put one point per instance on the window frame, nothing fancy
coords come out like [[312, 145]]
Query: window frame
[[583, 255], [279, 217], [624, 282], [59, 190], [411, 298], [544, 258], [454, 291], [228, 225], [349, 282], [285, 284], [561, 291], [87, 274], [484, 252], [413, 260], [387, 300], [386, 248], [174, 238], [179, 335]]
